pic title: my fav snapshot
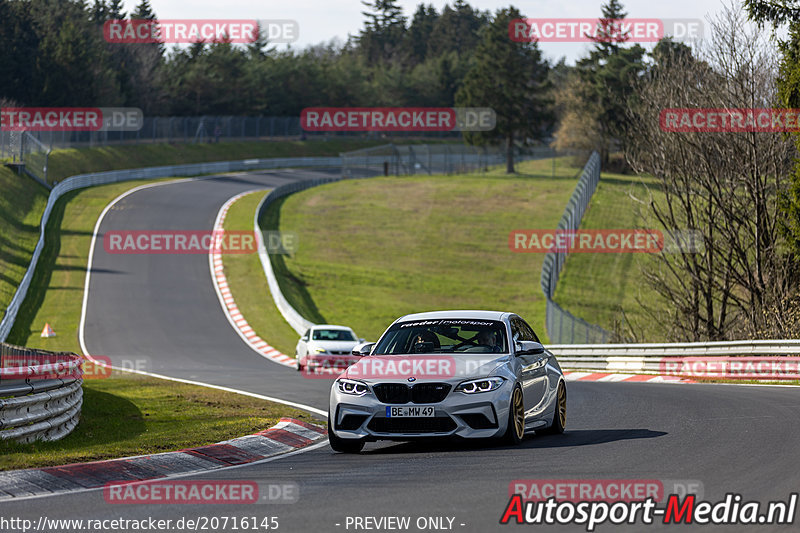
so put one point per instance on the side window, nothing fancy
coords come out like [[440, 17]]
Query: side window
[[516, 334], [522, 331], [528, 333]]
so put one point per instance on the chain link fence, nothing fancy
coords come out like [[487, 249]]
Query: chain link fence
[[397, 160], [205, 129], [562, 326]]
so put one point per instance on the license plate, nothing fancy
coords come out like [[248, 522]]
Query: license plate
[[409, 411]]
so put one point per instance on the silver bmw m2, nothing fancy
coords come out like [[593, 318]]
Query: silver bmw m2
[[470, 374]]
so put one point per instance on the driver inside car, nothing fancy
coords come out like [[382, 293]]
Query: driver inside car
[[424, 342], [486, 337]]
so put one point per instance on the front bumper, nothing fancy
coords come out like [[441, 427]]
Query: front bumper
[[471, 416]]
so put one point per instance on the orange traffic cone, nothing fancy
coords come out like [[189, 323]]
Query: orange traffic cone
[[48, 331]]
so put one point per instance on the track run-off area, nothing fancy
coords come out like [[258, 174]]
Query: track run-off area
[[163, 309]]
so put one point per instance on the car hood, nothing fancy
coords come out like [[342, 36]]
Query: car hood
[[333, 345], [423, 367]]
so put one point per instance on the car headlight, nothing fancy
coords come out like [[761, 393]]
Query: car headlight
[[351, 386], [475, 386], [320, 350]]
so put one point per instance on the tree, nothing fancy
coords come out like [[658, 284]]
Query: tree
[[723, 185], [608, 74], [511, 78], [786, 14], [382, 38]]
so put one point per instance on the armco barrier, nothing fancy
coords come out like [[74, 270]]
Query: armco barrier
[[102, 178], [299, 323], [652, 358], [40, 393]]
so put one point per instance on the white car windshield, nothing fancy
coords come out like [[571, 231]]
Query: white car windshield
[[333, 335], [444, 336]]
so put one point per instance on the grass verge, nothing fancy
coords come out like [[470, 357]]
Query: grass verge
[[65, 163], [608, 289], [22, 203], [127, 415], [371, 250], [249, 285]]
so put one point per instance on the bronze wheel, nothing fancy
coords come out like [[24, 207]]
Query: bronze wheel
[[516, 418]]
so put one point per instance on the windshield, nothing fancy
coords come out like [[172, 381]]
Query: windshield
[[333, 335], [443, 336]]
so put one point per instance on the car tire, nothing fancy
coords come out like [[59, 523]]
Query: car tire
[[341, 445], [297, 364], [559, 413], [515, 431]]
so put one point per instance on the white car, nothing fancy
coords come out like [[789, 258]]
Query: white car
[[326, 345]]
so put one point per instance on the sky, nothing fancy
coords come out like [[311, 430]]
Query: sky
[[323, 20]]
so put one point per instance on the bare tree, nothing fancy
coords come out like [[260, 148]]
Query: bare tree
[[722, 184]]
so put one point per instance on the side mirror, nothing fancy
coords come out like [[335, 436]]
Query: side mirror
[[363, 349], [529, 348], [361, 340]]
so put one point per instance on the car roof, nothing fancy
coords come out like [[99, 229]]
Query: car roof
[[456, 314], [330, 326]]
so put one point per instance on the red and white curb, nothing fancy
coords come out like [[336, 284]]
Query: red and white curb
[[286, 436], [229, 306], [610, 377]]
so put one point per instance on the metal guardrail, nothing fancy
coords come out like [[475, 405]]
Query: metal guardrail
[[562, 326], [713, 358], [297, 321], [40, 393], [116, 176]]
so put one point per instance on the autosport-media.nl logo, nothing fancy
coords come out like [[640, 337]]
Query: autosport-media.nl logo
[[618, 241], [188, 31], [197, 242], [415, 119], [588, 30], [729, 120], [592, 502], [71, 119]]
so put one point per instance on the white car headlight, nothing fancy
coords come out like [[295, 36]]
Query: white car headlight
[[351, 386], [475, 386], [320, 350]]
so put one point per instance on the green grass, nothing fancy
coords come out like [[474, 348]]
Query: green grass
[[374, 249], [65, 163], [127, 415], [22, 203], [56, 293], [608, 289], [249, 285]]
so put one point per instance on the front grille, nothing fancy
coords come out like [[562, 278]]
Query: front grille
[[419, 393], [412, 425], [429, 392], [391, 392]]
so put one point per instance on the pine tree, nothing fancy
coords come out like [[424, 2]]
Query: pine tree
[[511, 78]]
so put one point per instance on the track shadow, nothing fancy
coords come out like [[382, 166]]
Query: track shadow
[[570, 439]]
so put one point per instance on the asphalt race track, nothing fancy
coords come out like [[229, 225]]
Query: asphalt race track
[[163, 309]]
